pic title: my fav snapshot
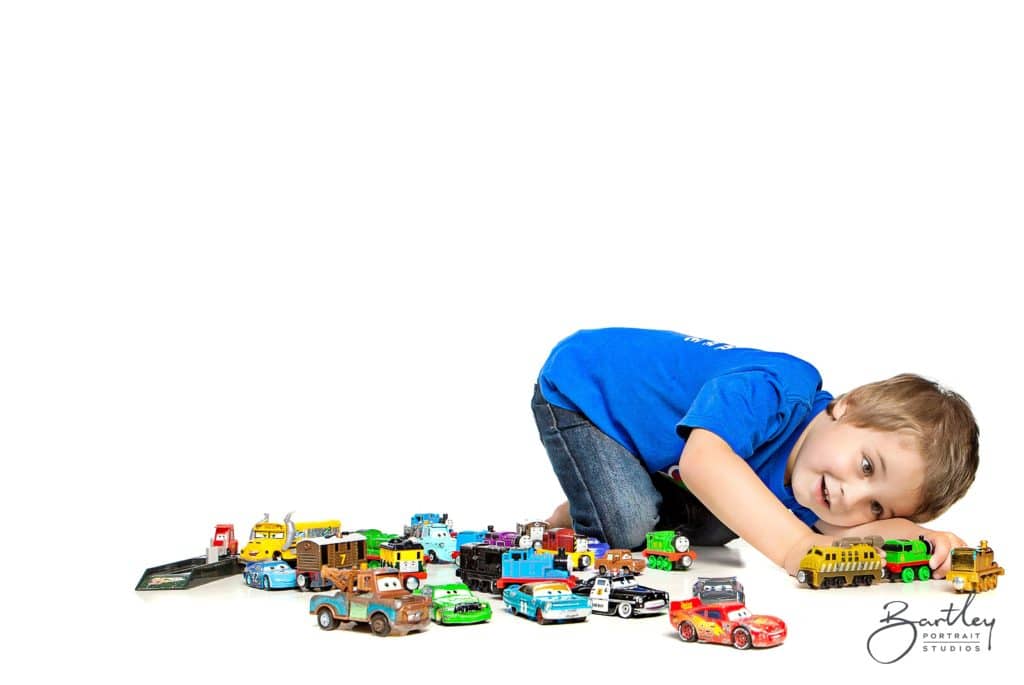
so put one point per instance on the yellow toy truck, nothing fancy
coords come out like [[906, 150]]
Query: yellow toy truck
[[270, 541]]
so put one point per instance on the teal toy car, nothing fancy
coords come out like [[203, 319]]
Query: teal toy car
[[546, 602], [455, 604]]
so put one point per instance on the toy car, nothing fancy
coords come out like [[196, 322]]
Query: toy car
[[599, 548], [373, 596], [621, 595], [269, 575], [546, 602], [620, 561], [455, 603], [728, 623], [715, 590]]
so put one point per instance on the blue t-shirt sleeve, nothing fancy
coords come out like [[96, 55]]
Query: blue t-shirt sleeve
[[744, 408]]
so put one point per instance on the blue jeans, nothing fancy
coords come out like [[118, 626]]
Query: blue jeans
[[611, 494]]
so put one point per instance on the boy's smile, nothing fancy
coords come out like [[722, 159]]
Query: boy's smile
[[849, 475]]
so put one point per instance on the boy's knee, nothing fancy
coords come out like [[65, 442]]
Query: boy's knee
[[629, 528]]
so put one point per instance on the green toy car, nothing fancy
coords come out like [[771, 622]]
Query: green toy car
[[455, 604]]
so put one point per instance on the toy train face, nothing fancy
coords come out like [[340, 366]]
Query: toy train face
[[403, 554]]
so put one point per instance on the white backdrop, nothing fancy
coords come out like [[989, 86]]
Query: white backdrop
[[263, 258]]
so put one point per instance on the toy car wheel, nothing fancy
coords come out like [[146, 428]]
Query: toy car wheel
[[687, 633], [380, 625], [265, 583], [432, 556], [540, 618], [686, 562], [602, 569], [741, 638], [624, 610], [411, 583], [437, 616], [302, 582], [584, 562], [325, 619], [924, 573], [513, 611], [801, 577]]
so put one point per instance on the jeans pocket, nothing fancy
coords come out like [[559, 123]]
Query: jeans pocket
[[565, 419]]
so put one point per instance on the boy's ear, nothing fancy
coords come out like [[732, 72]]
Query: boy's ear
[[839, 410]]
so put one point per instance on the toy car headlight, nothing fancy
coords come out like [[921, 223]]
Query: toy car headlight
[[398, 604]]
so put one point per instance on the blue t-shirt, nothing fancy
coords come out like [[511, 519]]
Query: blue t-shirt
[[648, 389]]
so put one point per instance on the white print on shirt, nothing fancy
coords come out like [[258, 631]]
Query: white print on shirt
[[708, 343]]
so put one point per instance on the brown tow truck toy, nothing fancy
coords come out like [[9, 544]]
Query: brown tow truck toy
[[373, 596], [620, 561]]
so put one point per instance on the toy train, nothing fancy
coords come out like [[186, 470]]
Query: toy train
[[907, 560], [974, 569], [490, 568], [669, 550], [849, 561]]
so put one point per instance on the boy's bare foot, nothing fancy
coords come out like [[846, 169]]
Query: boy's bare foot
[[560, 517]]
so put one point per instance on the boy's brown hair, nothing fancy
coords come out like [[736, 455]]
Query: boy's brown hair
[[941, 423]]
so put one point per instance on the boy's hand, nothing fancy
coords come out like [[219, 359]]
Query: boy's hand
[[797, 552], [943, 542]]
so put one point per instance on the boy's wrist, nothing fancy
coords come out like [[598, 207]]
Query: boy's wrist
[[799, 549]]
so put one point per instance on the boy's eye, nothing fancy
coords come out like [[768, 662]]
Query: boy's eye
[[876, 509], [866, 466]]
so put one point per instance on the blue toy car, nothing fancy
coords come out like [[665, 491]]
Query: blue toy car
[[546, 601], [597, 547], [269, 575]]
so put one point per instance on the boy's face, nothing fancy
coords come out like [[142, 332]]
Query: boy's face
[[849, 475]]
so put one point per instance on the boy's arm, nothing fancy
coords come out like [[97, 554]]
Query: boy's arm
[[902, 529], [731, 490]]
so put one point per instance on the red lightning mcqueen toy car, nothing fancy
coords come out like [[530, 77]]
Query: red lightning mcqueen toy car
[[727, 623]]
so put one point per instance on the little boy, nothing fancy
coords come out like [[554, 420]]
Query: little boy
[[756, 449]]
